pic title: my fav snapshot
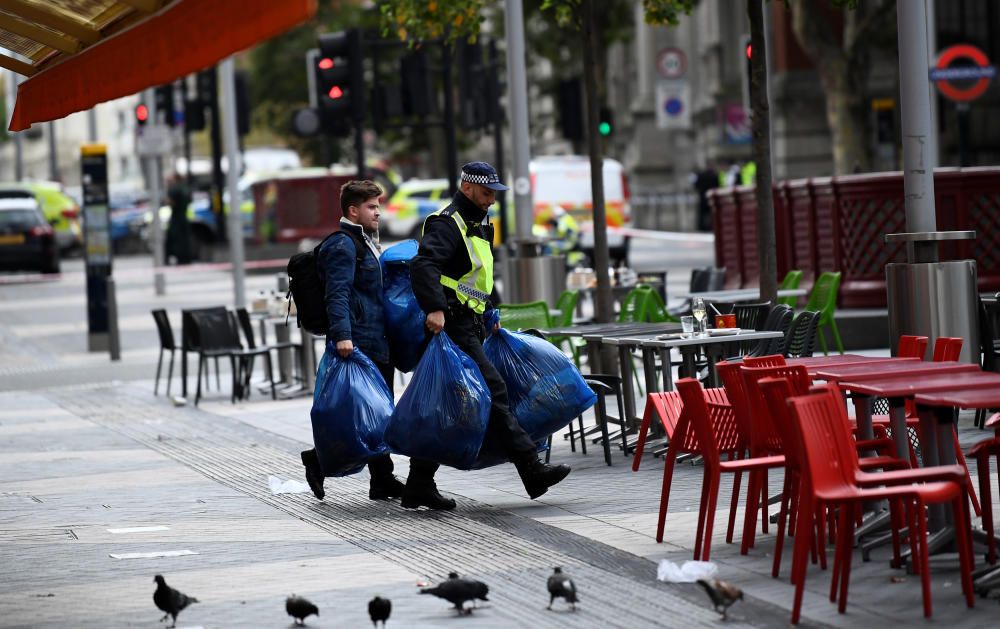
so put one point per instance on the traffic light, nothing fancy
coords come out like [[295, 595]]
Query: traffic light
[[194, 114], [340, 81], [747, 53], [164, 96], [571, 109], [606, 122], [419, 98], [141, 115]]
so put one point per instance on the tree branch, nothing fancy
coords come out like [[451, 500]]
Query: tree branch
[[872, 22]]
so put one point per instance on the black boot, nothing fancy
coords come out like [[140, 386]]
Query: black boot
[[538, 477], [314, 474], [425, 494], [384, 487]]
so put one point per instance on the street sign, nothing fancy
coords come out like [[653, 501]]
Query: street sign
[[671, 63], [982, 72], [154, 140], [673, 105]]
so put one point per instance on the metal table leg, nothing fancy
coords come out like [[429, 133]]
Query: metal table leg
[[668, 375]]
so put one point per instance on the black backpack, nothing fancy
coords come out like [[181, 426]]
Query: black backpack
[[307, 285]]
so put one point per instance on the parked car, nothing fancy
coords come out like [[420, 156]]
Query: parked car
[[27, 241], [415, 200], [58, 208]]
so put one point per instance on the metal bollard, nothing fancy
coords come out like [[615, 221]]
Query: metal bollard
[[114, 344]]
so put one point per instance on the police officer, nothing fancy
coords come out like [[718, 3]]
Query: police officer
[[452, 277]]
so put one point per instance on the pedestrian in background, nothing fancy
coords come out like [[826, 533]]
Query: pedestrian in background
[[178, 240], [452, 277], [702, 181], [349, 263]]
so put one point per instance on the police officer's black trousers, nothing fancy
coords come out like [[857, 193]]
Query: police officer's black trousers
[[421, 471], [466, 330]]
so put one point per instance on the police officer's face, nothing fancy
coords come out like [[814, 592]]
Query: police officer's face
[[367, 214], [482, 196]]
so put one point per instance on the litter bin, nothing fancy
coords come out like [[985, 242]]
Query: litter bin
[[933, 299], [531, 276]]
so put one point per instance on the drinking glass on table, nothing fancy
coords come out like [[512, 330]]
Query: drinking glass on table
[[698, 311], [687, 326]]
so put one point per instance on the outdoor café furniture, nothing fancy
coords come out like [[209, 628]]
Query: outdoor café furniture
[[711, 430], [943, 404], [822, 433], [165, 332], [737, 294]]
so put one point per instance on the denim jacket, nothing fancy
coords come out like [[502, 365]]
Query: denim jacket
[[354, 294]]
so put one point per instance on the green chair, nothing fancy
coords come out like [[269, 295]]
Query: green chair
[[534, 314], [792, 280], [823, 299], [566, 305], [654, 309]]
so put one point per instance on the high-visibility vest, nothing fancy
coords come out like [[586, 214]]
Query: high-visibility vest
[[472, 289]]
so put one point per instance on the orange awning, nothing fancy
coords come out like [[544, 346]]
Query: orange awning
[[183, 37]]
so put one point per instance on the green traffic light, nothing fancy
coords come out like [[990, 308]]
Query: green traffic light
[[604, 128]]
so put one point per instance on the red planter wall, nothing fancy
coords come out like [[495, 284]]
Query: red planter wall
[[838, 224]]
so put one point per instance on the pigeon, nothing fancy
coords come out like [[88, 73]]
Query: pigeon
[[170, 600], [456, 591], [722, 594], [561, 586], [300, 608], [379, 609]]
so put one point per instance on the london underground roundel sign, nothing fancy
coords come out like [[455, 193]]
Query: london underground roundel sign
[[943, 74]]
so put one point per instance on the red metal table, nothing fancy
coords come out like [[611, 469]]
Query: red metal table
[[837, 359], [943, 404]]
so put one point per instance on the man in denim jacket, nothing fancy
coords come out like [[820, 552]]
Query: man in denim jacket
[[350, 265]]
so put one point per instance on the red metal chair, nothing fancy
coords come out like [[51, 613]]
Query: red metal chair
[[982, 452], [837, 480], [710, 429], [774, 360], [947, 348], [667, 408], [912, 346]]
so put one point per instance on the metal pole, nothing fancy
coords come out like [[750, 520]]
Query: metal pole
[[518, 102], [155, 200], [13, 80], [233, 157], [114, 339], [918, 163], [932, 143], [496, 118], [53, 156], [92, 124]]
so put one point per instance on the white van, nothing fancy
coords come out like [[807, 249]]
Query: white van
[[564, 180]]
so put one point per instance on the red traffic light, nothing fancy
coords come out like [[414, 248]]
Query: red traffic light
[[336, 92], [141, 113], [325, 63], [749, 50]]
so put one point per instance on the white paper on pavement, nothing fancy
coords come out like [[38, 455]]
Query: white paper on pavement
[[690, 572], [153, 555], [282, 486]]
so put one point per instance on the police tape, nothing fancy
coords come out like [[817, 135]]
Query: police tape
[[652, 234]]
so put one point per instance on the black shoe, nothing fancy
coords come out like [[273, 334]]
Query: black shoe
[[538, 477], [425, 495], [314, 475], [385, 487]]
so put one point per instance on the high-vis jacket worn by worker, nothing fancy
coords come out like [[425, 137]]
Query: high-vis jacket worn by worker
[[472, 289]]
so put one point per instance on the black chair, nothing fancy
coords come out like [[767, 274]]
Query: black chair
[[602, 385], [989, 343], [703, 279], [800, 341], [253, 350], [750, 317], [212, 334], [778, 320], [166, 334]]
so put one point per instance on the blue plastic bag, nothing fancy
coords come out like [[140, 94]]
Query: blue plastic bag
[[545, 389], [404, 320], [443, 413], [351, 407]]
